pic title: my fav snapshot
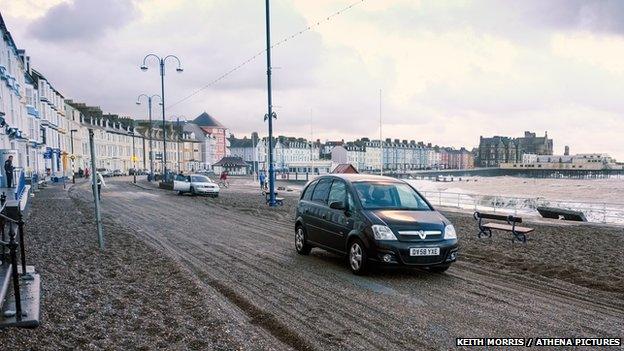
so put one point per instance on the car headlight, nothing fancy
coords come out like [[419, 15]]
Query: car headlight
[[449, 232], [381, 232]]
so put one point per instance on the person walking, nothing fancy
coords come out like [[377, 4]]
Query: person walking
[[8, 170], [262, 179], [100, 184]]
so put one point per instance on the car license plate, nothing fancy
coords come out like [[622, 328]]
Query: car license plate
[[424, 251]]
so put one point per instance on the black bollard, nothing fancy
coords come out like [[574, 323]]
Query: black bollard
[[20, 228]]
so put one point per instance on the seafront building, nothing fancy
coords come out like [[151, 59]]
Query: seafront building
[[502, 149], [565, 162]]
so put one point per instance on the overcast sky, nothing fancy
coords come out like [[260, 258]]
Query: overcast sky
[[449, 71]]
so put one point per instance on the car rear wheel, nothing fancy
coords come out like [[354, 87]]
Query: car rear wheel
[[358, 262], [301, 245]]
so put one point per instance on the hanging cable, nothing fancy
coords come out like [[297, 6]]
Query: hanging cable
[[252, 58]]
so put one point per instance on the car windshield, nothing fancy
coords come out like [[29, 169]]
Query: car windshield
[[387, 195], [200, 179]]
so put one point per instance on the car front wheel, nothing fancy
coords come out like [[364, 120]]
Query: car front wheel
[[358, 262], [301, 245]]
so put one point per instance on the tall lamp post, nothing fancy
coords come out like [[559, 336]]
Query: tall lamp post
[[162, 62], [149, 113], [270, 114], [73, 157]]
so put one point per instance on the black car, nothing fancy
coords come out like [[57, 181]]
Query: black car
[[373, 219]]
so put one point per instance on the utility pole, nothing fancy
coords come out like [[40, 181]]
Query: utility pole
[[179, 137], [311, 142], [134, 158], [144, 160], [254, 156], [73, 156], [96, 195], [269, 115], [380, 138]]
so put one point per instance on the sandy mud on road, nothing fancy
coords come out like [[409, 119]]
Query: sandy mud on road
[[566, 282]]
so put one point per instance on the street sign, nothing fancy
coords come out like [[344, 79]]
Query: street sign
[[134, 158]]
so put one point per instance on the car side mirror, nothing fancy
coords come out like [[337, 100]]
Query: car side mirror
[[338, 205]]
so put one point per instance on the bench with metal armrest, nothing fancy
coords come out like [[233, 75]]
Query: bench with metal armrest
[[485, 229]]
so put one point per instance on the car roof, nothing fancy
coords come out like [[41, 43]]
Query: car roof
[[358, 177]]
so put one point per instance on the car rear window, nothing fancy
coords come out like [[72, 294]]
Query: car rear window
[[321, 190]]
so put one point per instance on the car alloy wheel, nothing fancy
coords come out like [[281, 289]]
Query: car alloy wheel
[[355, 257], [301, 246], [299, 239]]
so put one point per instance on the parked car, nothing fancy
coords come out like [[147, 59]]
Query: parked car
[[105, 172], [117, 173], [373, 219], [196, 184]]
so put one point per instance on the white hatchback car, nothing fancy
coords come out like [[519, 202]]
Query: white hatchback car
[[196, 184]]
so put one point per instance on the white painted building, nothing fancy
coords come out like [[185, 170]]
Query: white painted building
[[350, 154]]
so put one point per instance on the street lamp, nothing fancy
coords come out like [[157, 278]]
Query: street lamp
[[149, 113], [162, 61], [270, 114], [71, 140]]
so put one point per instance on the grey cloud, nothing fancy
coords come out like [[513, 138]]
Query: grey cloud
[[594, 15], [522, 21], [82, 20]]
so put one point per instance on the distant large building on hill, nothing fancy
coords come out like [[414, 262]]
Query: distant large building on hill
[[214, 129], [501, 149]]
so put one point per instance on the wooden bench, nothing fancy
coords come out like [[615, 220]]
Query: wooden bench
[[278, 200], [485, 229]]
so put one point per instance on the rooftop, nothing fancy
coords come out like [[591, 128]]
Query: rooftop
[[206, 120]]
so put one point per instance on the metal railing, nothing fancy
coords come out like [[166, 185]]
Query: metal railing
[[597, 212], [14, 228]]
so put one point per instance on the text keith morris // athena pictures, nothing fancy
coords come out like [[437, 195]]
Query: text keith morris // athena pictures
[[528, 342]]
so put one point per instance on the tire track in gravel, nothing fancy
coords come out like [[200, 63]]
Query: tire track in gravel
[[258, 271], [564, 296], [586, 298], [371, 320], [270, 276], [254, 222]]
